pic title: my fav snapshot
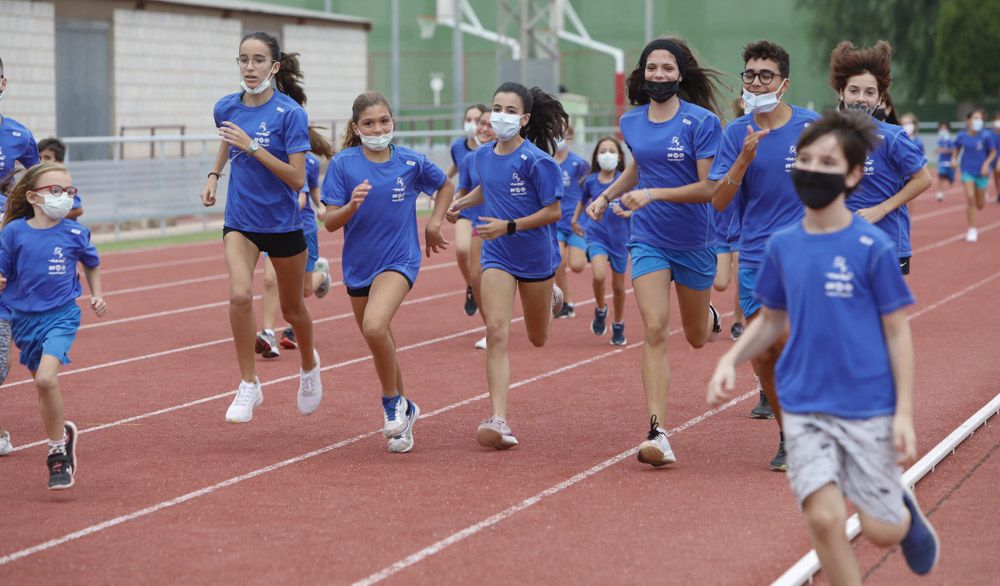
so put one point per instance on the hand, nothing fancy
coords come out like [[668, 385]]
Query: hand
[[578, 229], [3, 282], [750, 143], [233, 135], [722, 383], [985, 171], [320, 210], [637, 199], [453, 210], [621, 212], [596, 208], [904, 438], [360, 193], [491, 228], [208, 193], [872, 214], [433, 239], [98, 305]]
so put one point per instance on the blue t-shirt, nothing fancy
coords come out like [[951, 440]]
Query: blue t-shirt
[[468, 179], [766, 196], [312, 182], [887, 169], [574, 168], [257, 200], [727, 223], [612, 232], [459, 148], [974, 150], [382, 233], [836, 288], [945, 148], [40, 265], [666, 154], [514, 186], [16, 145]]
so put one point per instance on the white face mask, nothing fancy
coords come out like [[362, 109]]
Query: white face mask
[[561, 145], [261, 87], [505, 125], [56, 206], [377, 143], [761, 103], [977, 124], [910, 128], [996, 124], [944, 134], [608, 161], [470, 129]]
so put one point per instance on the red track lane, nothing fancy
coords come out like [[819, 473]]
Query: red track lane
[[345, 514]]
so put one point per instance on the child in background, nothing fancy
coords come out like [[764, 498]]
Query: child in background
[[52, 150], [975, 145], [945, 148], [572, 247]]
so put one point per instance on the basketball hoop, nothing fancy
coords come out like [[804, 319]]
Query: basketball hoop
[[427, 26]]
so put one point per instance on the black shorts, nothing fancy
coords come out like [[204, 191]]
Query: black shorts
[[904, 265], [524, 280], [280, 245], [364, 291]]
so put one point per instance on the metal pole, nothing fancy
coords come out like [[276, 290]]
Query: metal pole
[[394, 88], [522, 26], [328, 5], [649, 20], [457, 69]]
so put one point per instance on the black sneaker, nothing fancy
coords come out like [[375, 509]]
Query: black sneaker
[[288, 339], [716, 319], [470, 302], [779, 462], [600, 324], [62, 464], [566, 311], [763, 409], [736, 330]]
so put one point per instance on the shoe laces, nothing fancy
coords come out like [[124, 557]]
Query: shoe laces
[[654, 429], [306, 386], [244, 394]]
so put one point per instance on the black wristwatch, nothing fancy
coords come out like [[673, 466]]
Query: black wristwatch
[[511, 227]]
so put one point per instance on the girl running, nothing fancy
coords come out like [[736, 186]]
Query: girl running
[[521, 185], [896, 171], [371, 190], [460, 150], [39, 252], [673, 142], [945, 149], [911, 127], [976, 149], [268, 169], [469, 180], [317, 275], [606, 239], [572, 247]]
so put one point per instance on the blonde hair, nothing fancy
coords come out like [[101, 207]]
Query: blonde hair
[[18, 205]]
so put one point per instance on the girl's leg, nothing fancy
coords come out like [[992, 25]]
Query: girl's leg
[[498, 289], [561, 281], [739, 317], [50, 402], [269, 296], [536, 302], [618, 289], [374, 315], [696, 317], [241, 258], [884, 534], [476, 271], [980, 198], [463, 248], [577, 259], [290, 272], [599, 267], [826, 513], [723, 271], [652, 293], [970, 203]]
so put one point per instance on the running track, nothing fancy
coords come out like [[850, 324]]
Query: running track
[[168, 493]]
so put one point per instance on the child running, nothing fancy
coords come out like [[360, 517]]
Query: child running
[[460, 150], [606, 239], [945, 148], [262, 208], [846, 376], [673, 135], [317, 275], [975, 147], [572, 246], [39, 251], [521, 185], [370, 190]]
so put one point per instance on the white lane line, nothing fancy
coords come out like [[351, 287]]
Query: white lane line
[[531, 501], [162, 264], [956, 238]]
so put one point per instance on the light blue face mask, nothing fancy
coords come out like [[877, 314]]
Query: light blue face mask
[[261, 87], [760, 103], [377, 143]]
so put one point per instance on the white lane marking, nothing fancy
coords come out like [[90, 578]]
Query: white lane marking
[[956, 238]]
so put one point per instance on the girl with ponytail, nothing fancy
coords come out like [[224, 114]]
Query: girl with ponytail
[[673, 136], [265, 136], [520, 185]]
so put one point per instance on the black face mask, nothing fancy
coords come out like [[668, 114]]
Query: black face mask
[[817, 190], [661, 91], [876, 112]]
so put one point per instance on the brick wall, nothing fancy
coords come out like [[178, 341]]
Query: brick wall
[[28, 48]]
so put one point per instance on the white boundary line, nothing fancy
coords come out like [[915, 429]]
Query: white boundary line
[[807, 566], [955, 238]]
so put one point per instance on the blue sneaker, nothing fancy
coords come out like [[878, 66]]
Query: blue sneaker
[[618, 334], [600, 323], [920, 546]]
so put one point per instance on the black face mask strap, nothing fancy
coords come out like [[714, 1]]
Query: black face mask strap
[[665, 45]]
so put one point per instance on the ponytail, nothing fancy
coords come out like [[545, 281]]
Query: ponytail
[[361, 103], [699, 85], [548, 121], [18, 205], [288, 80], [318, 144]]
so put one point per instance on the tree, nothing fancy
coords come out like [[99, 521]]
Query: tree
[[967, 38]]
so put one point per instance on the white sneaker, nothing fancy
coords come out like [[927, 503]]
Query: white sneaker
[[481, 344], [394, 420], [402, 443], [972, 235], [656, 449], [310, 388], [495, 433], [247, 397], [557, 300], [323, 266], [6, 446], [939, 196]]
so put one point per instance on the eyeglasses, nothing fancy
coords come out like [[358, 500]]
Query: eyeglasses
[[257, 61], [58, 190], [764, 76]]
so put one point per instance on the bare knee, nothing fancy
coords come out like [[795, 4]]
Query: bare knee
[[46, 383], [496, 333], [374, 329], [577, 265], [655, 333], [294, 311], [618, 288], [538, 339], [825, 522], [241, 300]]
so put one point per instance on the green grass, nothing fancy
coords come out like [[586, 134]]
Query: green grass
[[160, 241]]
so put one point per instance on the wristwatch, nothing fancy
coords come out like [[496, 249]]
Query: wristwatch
[[511, 227], [253, 147]]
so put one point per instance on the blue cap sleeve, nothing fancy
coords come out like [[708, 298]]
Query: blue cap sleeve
[[546, 177], [770, 289], [707, 136], [334, 191], [296, 131], [431, 177]]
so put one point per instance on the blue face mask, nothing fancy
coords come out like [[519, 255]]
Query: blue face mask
[[261, 87]]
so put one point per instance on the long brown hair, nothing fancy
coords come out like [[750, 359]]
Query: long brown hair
[[288, 80], [318, 143], [699, 84], [18, 205], [361, 103]]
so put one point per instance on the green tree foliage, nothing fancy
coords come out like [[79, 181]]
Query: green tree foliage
[[968, 43]]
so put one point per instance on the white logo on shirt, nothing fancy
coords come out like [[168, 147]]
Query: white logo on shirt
[[280, 109], [838, 282], [15, 133], [790, 158], [517, 187], [866, 240], [263, 135], [675, 150], [399, 191], [565, 179], [57, 263]]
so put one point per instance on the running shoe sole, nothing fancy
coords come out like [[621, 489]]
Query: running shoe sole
[[491, 438], [652, 454]]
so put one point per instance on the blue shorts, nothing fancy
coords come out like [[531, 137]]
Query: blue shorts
[[946, 173], [695, 269], [723, 249], [619, 262], [312, 250], [981, 181], [47, 332], [748, 282], [571, 239]]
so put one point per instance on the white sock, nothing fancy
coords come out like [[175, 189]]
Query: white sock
[[57, 447]]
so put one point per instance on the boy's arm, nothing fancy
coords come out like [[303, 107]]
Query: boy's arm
[[761, 335], [899, 343], [93, 276]]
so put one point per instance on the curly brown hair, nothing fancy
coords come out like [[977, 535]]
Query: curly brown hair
[[846, 61]]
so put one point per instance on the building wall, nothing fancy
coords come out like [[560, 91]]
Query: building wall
[[28, 49]]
